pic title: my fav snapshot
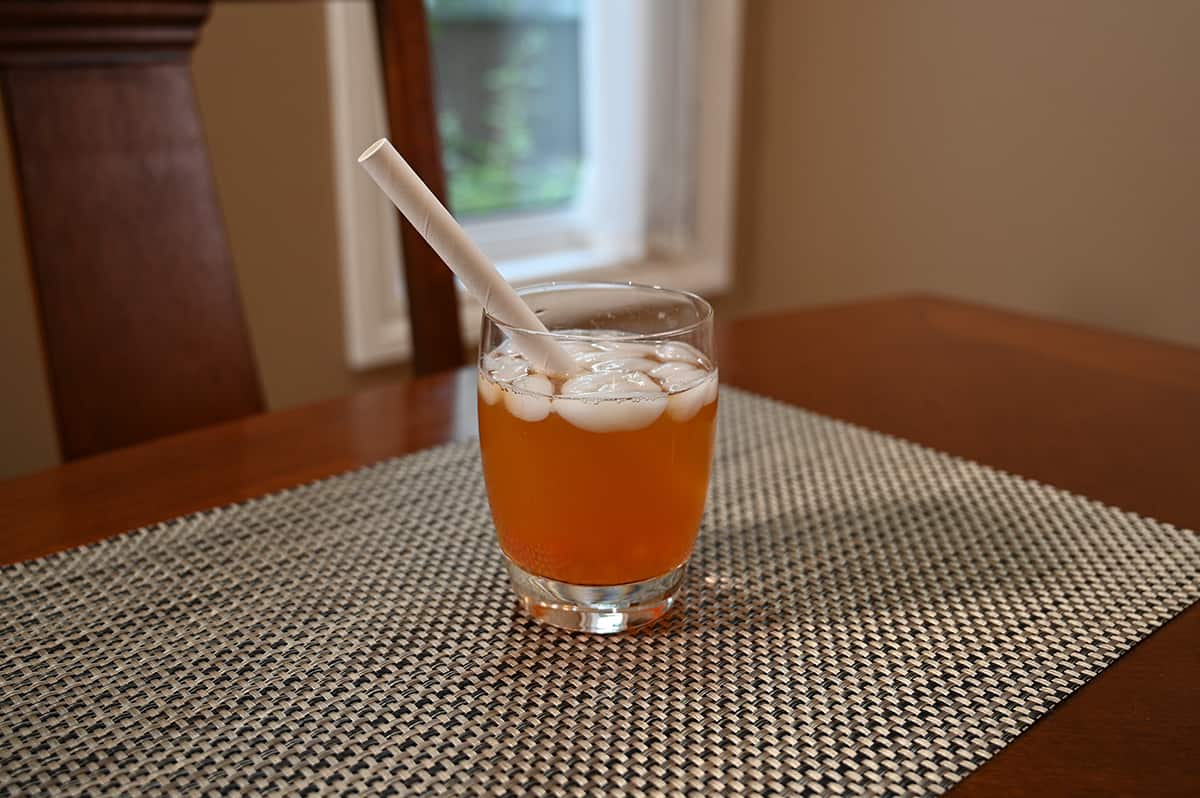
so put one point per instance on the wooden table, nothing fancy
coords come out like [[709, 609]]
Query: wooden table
[[1111, 417]]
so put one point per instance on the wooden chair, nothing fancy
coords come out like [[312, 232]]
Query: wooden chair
[[412, 123], [141, 320]]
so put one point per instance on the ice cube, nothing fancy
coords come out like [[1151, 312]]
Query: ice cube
[[711, 388], [676, 376], [528, 397], [609, 383], [489, 391], [492, 360], [610, 401], [686, 404], [627, 364], [507, 369], [678, 352], [575, 348], [627, 348], [591, 357], [609, 414]]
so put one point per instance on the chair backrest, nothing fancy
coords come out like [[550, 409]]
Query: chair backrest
[[141, 319], [412, 122]]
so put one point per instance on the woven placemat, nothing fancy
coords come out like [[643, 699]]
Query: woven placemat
[[863, 616]]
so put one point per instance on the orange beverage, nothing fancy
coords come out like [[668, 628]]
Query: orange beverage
[[596, 507], [597, 472]]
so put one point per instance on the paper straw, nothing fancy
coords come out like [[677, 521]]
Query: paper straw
[[431, 219]]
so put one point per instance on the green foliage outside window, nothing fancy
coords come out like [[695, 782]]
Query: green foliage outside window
[[502, 170]]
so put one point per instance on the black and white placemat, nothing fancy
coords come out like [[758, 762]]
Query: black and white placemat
[[863, 616]]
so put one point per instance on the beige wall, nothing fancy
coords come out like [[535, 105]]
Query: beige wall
[[1037, 155], [267, 120], [266, 112], [27, 440]]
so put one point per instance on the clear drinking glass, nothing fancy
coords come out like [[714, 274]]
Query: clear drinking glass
[[597, 480]]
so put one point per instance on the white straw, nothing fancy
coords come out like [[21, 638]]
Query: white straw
[[418, 204]]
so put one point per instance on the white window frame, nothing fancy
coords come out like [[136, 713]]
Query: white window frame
[[677, 139]]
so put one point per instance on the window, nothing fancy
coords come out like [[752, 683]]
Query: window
[[581, 138], [508, 90]]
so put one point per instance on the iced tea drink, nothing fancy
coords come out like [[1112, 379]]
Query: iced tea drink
[[597, 479]]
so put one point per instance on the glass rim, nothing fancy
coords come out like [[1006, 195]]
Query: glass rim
[[700, 303]]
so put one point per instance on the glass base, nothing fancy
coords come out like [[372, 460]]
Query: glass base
[[600, 609]]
